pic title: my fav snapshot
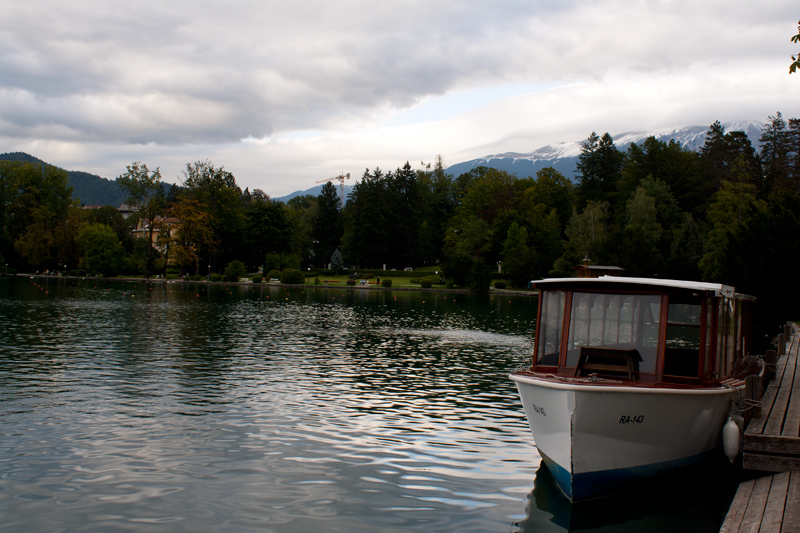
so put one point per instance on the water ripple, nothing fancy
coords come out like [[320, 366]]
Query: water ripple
[[186, 408]]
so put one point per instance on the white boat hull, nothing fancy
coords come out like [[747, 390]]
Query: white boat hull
[[598, 439]]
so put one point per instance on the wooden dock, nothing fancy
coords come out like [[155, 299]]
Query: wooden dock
[[771, 442], [768, 504]]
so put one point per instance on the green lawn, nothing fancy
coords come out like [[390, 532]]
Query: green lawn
[[342, 281]]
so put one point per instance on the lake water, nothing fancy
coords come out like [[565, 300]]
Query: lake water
[[150, 407]]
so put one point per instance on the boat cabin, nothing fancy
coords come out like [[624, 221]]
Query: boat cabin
[[641, 330]]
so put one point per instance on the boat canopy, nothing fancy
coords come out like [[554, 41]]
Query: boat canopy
[[658, 284], [641, 329]]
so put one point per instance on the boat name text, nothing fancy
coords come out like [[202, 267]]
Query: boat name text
[[638, 419], [538, 410]]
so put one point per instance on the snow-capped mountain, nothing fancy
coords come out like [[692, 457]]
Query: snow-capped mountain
[[563, 156]]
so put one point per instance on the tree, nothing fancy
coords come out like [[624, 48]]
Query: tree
[[686, 251], [556, 192], [677, 167], [192, 237], [268, 232], [775, 157], [796, 59], [36, 204], [328, 224], [37, 243], [367, 238], [642, 233], [337, 264], [301, 213], [144, 190], [465, 246], [732, 207], [235, 270], [216, 189], [438, 201], [518, 257], [719, 153], [599, 169], [102, 251]]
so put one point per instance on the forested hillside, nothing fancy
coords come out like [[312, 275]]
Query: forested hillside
[[88, 188]]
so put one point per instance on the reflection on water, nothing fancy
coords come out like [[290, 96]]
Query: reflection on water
[[685, 501], [136, 406]]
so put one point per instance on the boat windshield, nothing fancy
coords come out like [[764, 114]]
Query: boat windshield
[[615, 321]]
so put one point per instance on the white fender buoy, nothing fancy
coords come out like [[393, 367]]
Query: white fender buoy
[[730, 439]]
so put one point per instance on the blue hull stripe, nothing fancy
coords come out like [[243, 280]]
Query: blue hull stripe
[[594, 484]]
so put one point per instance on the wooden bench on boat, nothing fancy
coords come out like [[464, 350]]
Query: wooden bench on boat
[[769, 504], [607, 359], [771, 442]]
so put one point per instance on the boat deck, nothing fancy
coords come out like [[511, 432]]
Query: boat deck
[[771, 442], [768, 504]]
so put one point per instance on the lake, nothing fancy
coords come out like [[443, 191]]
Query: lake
[[128, 406]]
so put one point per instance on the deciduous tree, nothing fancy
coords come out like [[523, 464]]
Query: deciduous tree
[[102, 250], [145, 192]]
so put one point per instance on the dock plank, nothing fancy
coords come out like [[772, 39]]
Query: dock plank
[[776, 501], [758, 502], [778, 414], [756, 425], [791, 518], [791, 425], [733, 520], [770, 463], [768, 444]]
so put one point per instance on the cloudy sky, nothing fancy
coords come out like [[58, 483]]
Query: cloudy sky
[[287, 93]]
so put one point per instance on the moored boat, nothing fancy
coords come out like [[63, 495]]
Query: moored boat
[[631, 377]]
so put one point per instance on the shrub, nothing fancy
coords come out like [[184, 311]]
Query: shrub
[[77, 273], [351, 282], [292, 276], [426, 283], [316, 281], [499, 284], [367, 276], [235, 270], [256, 279], [386, 283], [274, 274], [415, 280], [214, 277], [448, 284]]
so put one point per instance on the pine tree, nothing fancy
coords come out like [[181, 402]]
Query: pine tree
[[328, 224], [599, 169], [775, 153]]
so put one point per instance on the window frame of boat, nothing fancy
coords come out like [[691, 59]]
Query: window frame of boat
[[540, 324]]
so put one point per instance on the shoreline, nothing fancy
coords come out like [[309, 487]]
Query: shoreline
[[492, 290]]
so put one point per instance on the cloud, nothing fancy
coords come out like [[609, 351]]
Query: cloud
[[189, 72], [283, 92]]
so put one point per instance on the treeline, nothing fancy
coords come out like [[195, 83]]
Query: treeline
[[726, 213]]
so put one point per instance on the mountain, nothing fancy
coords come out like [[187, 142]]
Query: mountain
[[315, 191], [88, 188], [564, 156]]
